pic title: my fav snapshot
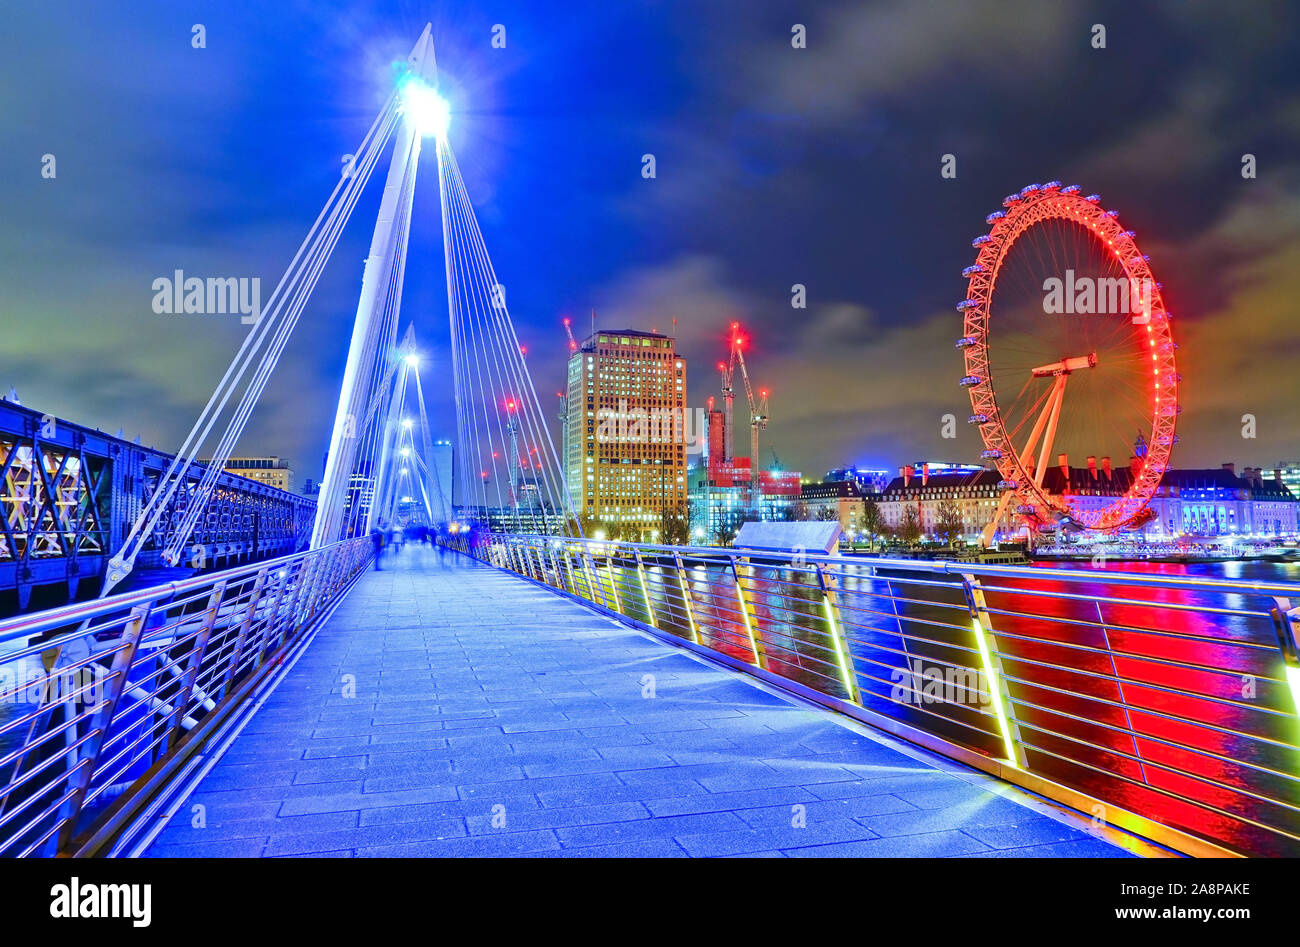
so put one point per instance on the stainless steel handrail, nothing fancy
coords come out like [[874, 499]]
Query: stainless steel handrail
[[1119, 700], [150, 672]]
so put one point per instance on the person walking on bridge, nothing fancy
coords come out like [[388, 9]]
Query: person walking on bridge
[[377, 540]]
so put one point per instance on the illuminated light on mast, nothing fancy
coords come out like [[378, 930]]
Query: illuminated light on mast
[[427, 111]]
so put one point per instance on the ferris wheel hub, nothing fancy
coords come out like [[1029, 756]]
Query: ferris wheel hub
[[1066, 365]]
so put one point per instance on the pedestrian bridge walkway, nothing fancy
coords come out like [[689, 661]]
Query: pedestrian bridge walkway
[[450, 709]]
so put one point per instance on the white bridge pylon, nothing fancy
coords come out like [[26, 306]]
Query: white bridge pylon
[[488, 370], [372, 333]]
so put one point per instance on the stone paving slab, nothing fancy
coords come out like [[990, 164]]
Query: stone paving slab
[[448, 709]]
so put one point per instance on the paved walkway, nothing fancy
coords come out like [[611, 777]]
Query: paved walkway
[[448, 709]]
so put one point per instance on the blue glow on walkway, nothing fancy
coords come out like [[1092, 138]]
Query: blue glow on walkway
[[491, 717]]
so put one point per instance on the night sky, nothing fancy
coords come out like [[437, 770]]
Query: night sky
[[775, 166]]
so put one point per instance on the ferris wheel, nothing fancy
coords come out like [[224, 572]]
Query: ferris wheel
[[1067, 347]]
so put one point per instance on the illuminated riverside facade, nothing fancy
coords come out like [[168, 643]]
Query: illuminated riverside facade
[[626, 430], [1210, 503], [721, 501], [840, 500], [1286, 471], [975, 494], [271, 471], [1219, 502]]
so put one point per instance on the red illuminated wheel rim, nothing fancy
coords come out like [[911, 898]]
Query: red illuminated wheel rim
[[1115, 370]]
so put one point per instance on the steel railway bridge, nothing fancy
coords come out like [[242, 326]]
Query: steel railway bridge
[[71, 493]]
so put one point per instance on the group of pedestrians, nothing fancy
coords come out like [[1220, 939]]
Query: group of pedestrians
[[385, 537]]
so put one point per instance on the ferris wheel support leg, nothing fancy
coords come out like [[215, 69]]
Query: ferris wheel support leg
[[986, 538], [1047, 419], [1054, 410]]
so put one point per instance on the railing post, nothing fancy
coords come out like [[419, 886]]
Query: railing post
[[1119, 687], [1286, 622], [312, 574], [613, 586], [555, 565], [999, 694], [572, 587], [241, 638], [103, 720], [686, 598], [589, 566], [197, 650], [755, 639], [843, 656], [645, 589], [269, 628], [311, 569]]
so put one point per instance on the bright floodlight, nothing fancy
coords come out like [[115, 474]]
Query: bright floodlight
[[406, 422], [406, 452], [425, 108], [412, 360]]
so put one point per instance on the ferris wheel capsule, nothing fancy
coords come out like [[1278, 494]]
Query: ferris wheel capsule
[[1051, 186], [996, 215], [1071, 189], [971, 270], [981, 240], [1093, 198], [967, 304]]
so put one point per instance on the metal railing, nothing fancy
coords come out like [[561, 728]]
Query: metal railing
[[101, 701], [1161, 704]]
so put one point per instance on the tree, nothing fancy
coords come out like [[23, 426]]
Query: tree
[[909, 531], [675, 525], [949, 526], [871, 520]]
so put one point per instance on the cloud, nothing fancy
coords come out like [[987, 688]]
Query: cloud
[[847, 389], [861, 54]]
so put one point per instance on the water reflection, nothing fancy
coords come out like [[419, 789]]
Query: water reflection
[[1168, 702]]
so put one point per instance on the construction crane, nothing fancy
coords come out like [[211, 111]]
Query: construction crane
[[728, 370], [758, 407]]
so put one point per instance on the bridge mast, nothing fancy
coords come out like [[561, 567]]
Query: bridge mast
[[368, 332]]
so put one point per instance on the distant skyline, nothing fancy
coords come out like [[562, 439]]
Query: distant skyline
[[774, 166]]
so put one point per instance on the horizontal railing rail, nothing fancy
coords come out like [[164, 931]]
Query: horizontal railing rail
[[1161, 704], [100, 701]]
